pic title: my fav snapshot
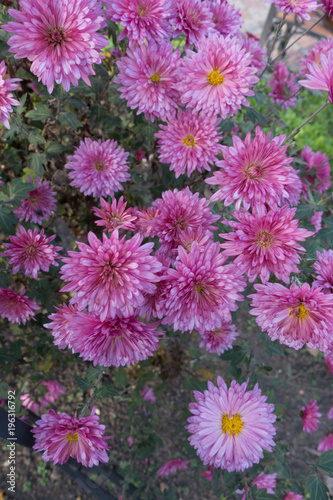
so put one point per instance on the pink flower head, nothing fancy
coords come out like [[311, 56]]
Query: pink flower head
[[283, 85], [329, 361], [231, 427], [146, 220], [310, 416], [62, 436], [324, 271], [318, 162], [172, 467], [60, 325], [6, 98], [301, 8], [321, 47], [63, 39], [220, 339], [326, 443], [294, 189], [31, 405], [110, 276], [259, 54], [265, 244], [189, 235], [139, 155], [328, 7], [201, 291], [267, 481], [16, 307], [148, 75], [226, 18], [39, 205], [293, 496], [189, 142], [115, 215], [330, 413], [320, 77], [98, 168], [130, 441], [32, 251], [148, 394], [153, 303], [112, 342], [216, 79], [54, 390], [296, 316], [254, 172], [208, 473], [316, 221], [193, 18]]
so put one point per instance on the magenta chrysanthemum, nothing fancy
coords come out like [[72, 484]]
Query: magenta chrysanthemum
[[32, 251], [189, 142], [295, 316], [62, 436], [294, 189], [112, 342], [293, 496], [283, 86], [193, 18], [326, 443], [110, 276], [16, 307], [316, 221], [98, 168], [328, 7], [320, 77], [60, 325], [310, 416], [220, 339], [54, 390], [267, 481], [254, 172], [226, 18], [259, 54], [148, 395], [317, 162], [148, 77], [63, 39], [231, 427], [324, 271], [172, 467], [321, 47], [39, 205], [115, 215], [6, 98], [146, 220], [265, 244], [216, 79], [301, 8]]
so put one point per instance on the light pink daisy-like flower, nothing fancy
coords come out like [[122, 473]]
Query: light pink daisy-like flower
[[62, 436], [301, 8], [142, 19], [259, 54], [112, 342], [310, 416], [294, 189], [32, 251], [220, 339], [98, 168], [16, 307], [146, 220], [324, 271], [318, 162], [60, 325], [295, 316], [254, 172], [320, 77], [63, 39], [39, 205], [216, 79], [328, 7], [148, 395], [231, 427], [293, 496], [115, 215], [201, 291], [267, 481], [330, 413], [193, 18], [110, 276], [329, 362], [283, 86], [172, 467], [326, 443], [316, 220], [6, 98], [148, 77], [321, 47], [265, 244], [189, 142], [226, 18]]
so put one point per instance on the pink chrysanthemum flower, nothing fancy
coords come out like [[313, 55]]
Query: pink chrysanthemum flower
[[324, 271], [321, 47], [142, 19], [316, 220], [329, 362], [172, 467], [153, 303], [189, 142], [254, 172], [265, 244], [310, 416], [6, 98], [148, 394], [295, 316], [98, 168], [60, 325], [54, 390], [32, 251], [39, 205], [113, 342], [110, 276], [320, 77], [216, 79], [62, 436], [283, 86], [267, 481], [231, 427], [318, 162], [16, 307], [201, 291], [208, 473], [301, 8], [293, 496], [326, 443], [328, 7], [189, 235], [115, 215], [226, 18], [148, 77], [220, 339], [294, 189], [259, 54], [146, 220], [63, 39], [193, 18], [31, 405]]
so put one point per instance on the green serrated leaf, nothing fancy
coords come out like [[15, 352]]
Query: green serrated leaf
[[69, 119], [36, 162], [271, 348], [283, 469], [235, 355], [326, 234], [52, 148], [83, 384], [120, 377], [305, 210], [19, 109], [40, 113], [255, 117], [193, 384], [106, 391], [325, 461], [18, 191], [280, 450], [36, 138], [317, 489], [7, 220]]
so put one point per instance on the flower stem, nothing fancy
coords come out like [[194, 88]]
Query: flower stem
[[84, 409], [273, 44], [295, 132]]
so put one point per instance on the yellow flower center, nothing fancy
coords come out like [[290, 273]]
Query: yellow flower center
[[189, 140], [232, 425], [99, 166], [72, 437], [253, 171], [301, 312], [264, 239], [198, 288], [215, 78], [155, 78]]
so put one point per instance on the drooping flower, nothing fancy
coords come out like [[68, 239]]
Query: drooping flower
[[254, 172], [39, 205], [54, 390], [220, 339], [110, 276], [62, 436], [16, 307], [283, 86], [321, 47], [6, 98], [310, 416], [189, 142], [324, 271], [98, 168], [231, 427], [329, 361], [217, 78], [320, 77], [330, 413], [193, 18], [267, 481], [148, 394], [326, 443], [293, 496], [115, 215], [172, 467], [294, 189], [63, 39], [316, 221], [328, 7], [259, 54], [318, 162], [265, 244], [226, 18], [32, 251], [60, 325], [296, 316], [301, 8], [148, 77]]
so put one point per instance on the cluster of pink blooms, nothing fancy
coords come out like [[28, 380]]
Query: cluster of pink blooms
[[54, 390], [283, 86]]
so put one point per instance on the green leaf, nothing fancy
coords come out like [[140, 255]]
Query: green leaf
[[120, 377], [262, 494], [41, 112], [106, 391], [7, 220], [283, 469], [326, 234], [235, 355], [19, 109], [36, 138], [36, 162], [53, 148], [170, 493], [18, 191], [280, 450], [271, 348], [305, 210], [69, 119], [316, 488], [325, 461], [255, 117], [83, 384], [193, 384]]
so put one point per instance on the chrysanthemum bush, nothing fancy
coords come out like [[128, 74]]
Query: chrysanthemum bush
[[166, 255]]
